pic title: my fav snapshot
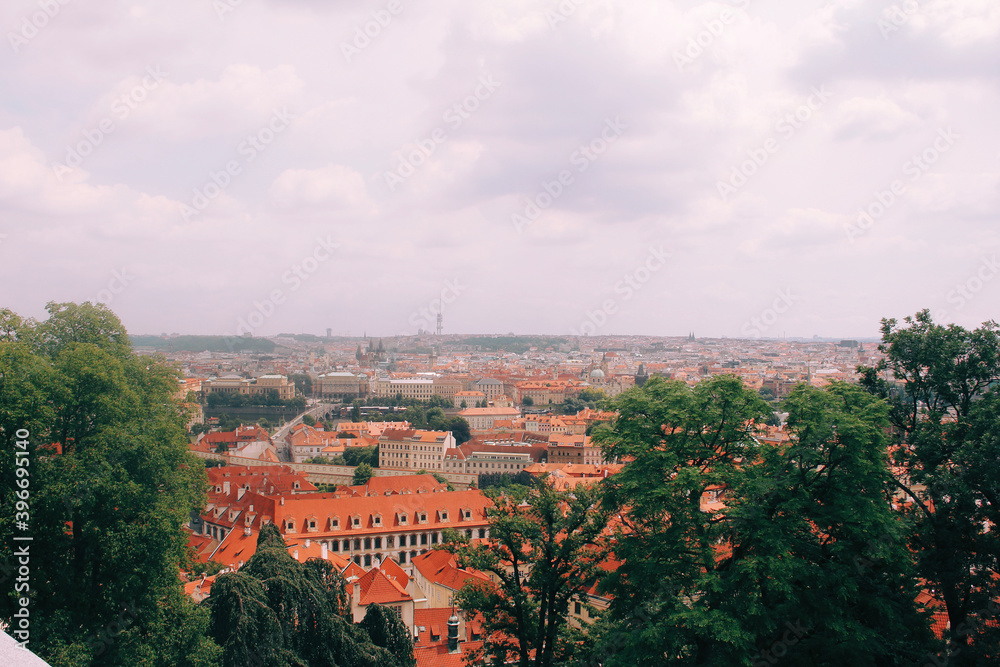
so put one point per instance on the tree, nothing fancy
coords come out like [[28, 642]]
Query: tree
[[791, 549], [460, 429], [355, 456], [276, 612], [362, 473], [386, 629], [527, 401], [464, 405], [308, 420], [544, 554], [356, 411], [436, 421], [108, 497], [944, 409]]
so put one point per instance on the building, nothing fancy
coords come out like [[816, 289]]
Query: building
[[490, 387], [362, 529], [470, 398], [476, 457], [482, 419], [438, 575], [265, 384], [566, 448], [414, 449], [306, 442], [384, 584], [341, 385], [418, 388]]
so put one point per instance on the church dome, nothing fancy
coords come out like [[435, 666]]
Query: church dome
[[597, 373]]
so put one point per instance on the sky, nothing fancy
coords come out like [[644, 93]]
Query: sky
[[742, 169]]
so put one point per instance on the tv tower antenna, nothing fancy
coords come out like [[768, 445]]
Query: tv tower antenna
[[440, 319]]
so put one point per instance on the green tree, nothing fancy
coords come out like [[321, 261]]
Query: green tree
[[308, 420], [362, 473], [436, 421], [276, 612], [527, 401], [386, 629], [109, 495], [944, 402], [790, 552], [544, 552], [460, 429], [355, 456]]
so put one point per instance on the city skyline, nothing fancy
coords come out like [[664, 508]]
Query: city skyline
[[737, 169]]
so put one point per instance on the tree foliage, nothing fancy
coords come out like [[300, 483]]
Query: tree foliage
[[944, 397], [544, 550], [111, 485], [787, 561], [277, 612]]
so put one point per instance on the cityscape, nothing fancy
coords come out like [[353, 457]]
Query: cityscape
[[541, 333]]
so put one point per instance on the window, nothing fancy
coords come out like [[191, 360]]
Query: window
[[368, 543], [368, 560], [577, 608], [356, 521], [312, 524], [444, 516], [378, 542], [357, 544], [389, 542], [413, 540], [423, 539], [334, 523], [377, 521]]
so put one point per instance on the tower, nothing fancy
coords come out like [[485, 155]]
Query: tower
[[440, 319]]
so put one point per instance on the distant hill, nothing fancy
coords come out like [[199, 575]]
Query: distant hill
[[204, 344], [516, 344]]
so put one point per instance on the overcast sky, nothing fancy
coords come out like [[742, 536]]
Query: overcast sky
[[646, 167]]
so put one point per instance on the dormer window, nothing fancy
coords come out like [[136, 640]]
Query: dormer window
[[311, 523], [355, 522], [377, 520], [423, 517], [443, 514], [402, 519], [334, 523], [289, 525], [466, 514]]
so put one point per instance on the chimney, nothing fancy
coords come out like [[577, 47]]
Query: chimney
[[225, 488], [282, 501], [295, 554], [322, 550], [307, 543], [239, 492], [453, 634]]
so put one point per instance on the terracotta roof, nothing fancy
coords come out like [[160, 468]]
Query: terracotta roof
[[377, 588], [441, 567]]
